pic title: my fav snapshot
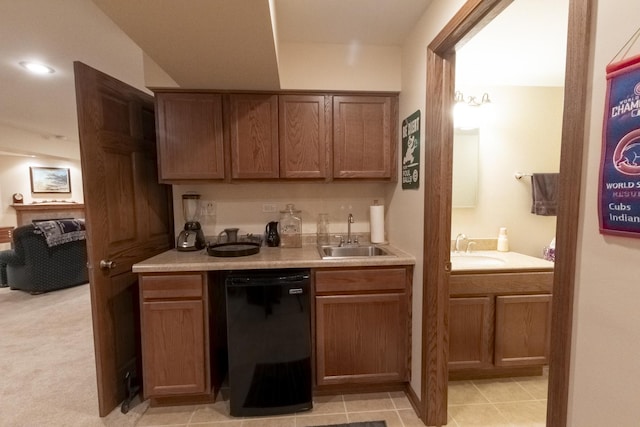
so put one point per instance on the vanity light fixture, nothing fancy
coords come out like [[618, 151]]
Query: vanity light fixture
[[465, 113], [37, 68]]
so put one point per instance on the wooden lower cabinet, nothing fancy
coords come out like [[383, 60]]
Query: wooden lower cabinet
[[495, 335], [523, 328], [471, 332], [362, 323], [175, 335]]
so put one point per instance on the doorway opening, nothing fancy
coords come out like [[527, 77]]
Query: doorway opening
[[473, 16]]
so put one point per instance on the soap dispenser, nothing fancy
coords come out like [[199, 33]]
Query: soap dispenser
[[503, 240]]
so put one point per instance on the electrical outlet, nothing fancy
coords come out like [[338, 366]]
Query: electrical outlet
[[209, 208], [269, 207]]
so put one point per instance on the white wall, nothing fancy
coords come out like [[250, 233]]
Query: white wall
[[339, 67], [521, 132], [14, 178], [406, 207], [605, 372], [240, 205]]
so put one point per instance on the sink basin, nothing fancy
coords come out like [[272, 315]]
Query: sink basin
[[352, 251], [471, 260]]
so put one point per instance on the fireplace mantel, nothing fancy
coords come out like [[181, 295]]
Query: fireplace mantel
[[28, 212]]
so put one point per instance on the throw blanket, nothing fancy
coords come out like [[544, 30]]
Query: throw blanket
[[57, 232]]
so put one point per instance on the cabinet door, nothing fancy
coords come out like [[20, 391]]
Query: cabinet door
[[253, 121], [361, 338], [364, 137], [305, 135], [190, 136], [523, 327], [173, 340], [470, 332]]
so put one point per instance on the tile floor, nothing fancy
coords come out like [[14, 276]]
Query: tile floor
[[512, 402]]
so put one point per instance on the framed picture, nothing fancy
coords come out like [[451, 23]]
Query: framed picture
[[50, 180]]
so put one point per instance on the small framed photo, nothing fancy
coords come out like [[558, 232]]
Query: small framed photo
[[50, 180]]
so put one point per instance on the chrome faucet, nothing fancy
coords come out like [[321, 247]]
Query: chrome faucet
[[349, 222], [459, 237], [471, 243]]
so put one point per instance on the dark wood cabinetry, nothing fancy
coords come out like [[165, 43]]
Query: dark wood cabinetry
[[264, 136], [305, 135], [190, 136], [253, 130], [523, 328], [175, 335], [470, 332], [362, 322], [364, 137], [499, 324]]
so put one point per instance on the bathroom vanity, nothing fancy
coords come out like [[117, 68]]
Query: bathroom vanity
[[500, 315]]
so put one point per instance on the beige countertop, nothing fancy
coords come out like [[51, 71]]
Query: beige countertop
[[494, 261], [305, 257]]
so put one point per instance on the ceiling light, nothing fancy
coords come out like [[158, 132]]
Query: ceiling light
[[37, 68], [466, 114]]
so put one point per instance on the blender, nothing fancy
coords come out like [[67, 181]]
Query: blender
[[192, 237]]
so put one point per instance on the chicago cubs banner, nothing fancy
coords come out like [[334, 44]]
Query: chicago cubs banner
[[619, 192]]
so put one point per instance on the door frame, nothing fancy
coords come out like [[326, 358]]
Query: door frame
[[471, 18]]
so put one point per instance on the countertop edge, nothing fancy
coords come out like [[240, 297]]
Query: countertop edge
[[268, 258]]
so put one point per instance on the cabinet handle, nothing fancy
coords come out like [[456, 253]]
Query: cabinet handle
[[447, 266], [106, 264]]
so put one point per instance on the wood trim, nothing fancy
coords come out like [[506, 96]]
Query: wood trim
[[26, 213], [574, 133], [473, 16]]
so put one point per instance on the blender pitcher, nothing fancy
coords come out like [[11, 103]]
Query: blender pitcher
[[192, 237]]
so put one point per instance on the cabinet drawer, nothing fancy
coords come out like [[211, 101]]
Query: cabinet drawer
[[370, 279], [168, 286]]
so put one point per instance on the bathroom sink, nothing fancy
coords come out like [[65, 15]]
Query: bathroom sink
[[351, 251], [473, 260]]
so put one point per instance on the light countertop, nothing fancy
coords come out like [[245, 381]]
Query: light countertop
[[305, 257], [494, 261]]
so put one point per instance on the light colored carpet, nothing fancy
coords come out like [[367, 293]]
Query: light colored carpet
[[47, 365]]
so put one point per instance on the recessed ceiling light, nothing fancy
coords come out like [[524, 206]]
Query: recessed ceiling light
[[37, 68]]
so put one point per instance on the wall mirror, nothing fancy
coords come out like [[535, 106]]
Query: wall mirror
[[465, 168]]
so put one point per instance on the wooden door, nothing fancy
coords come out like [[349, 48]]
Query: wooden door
[[190, 136], [364, 137], [305, 135], [253, 129], [128, 217], [361, 338], [471, 332], [523, 328]]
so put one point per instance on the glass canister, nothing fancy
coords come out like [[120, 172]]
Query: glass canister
[[290, 227], [323, 229]]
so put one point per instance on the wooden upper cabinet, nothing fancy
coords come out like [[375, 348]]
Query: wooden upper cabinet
[[253, 131], [305, 135], [364, 137], [190, 136]]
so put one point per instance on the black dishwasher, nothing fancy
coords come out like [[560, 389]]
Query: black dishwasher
[[269, 341]]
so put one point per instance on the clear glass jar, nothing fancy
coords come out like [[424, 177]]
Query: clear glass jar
[[322, 230], [290, 227]]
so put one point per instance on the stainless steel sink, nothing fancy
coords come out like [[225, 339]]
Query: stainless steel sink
[[352, 251]]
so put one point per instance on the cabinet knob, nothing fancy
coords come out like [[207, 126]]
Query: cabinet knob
[[447, 266], [106, 264]]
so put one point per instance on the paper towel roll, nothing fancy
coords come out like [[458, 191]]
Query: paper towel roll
[[376, 218]]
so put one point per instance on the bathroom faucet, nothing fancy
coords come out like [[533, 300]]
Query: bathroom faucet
[[469, 246], [459, 237], [349, 222]]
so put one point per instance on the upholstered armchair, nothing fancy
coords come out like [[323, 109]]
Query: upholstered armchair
[[46, 256]]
